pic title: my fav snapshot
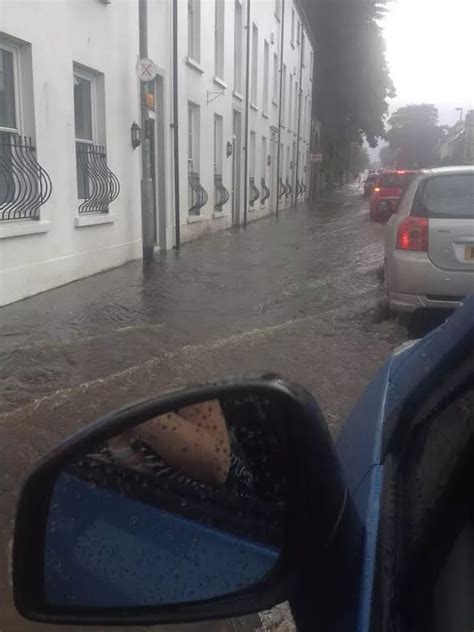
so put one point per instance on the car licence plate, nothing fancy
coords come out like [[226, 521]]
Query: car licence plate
[[469, 252]]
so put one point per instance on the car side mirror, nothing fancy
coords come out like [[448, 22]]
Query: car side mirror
[[201, 504]]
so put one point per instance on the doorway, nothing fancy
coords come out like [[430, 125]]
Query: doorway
[[236, 166]]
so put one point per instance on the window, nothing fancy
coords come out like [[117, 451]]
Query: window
[[84, 96], [238, 32], [278, 9], [194, 29], [290, 107], [298, 29], [446, 196], [97, 186], [252, 147], [311, 63], [264, 157], [193, 138], [8, 115], [218, 139], [275, 78], [288, 164], [292, 27], [254, 76], [219, 38], [266, 79], [295, 128], [283, 94], [303, 41]]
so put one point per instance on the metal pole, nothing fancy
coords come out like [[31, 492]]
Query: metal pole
[[247, 103], [299, 116], [177, 218], [148, 223], [279, 109]]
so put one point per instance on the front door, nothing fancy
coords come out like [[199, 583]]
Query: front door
[[236, 163]]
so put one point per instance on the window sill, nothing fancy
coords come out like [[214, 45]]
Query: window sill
[[220, 214], [24, 227], [265, 115], [237, 95], [194, 219], [94, 220], [195, 65], [275, 103], [220, 82], [254, 107], [292, 44]]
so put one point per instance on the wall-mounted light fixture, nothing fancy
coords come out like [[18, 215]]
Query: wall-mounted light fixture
[[135, 135]]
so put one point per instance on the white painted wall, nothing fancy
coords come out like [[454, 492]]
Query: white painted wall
[[104, 37]]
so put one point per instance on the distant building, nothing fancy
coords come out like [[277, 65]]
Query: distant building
[[457, 148], [70, 196]]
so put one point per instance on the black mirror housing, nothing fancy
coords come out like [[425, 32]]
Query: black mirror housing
[[302, 517]]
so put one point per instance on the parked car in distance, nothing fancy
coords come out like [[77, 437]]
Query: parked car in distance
[[369, 183], [389, 186], [429, 245]]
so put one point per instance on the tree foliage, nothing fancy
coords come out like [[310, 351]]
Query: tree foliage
[[413, 136], [352, 81]]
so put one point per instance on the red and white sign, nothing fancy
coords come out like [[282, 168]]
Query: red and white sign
[[146, 69], [316, 157]]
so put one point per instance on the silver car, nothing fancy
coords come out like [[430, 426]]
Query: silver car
[[429, 244]]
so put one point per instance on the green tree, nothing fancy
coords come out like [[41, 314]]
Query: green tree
[[351, 82], [387, 157], [414, 135]]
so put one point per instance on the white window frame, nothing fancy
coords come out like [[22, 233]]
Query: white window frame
[[298, 32], [219, 44], [283, 95], [11, 48], [264, 157], [254, 75], [92, 77], [194, 7], [290, 104], [194, 133], [266, 77], [238, 47], [218, 143], [311, 65], [275, 86], [253, 151], [293, 20]]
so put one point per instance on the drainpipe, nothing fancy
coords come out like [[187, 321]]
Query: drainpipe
[[147, 210], [300, 96], [279, 108], [177, 219], [247, 104]]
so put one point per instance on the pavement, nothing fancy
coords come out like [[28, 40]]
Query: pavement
[[294, 294]]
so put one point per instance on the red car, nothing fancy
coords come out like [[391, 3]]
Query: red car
[[389, 186]]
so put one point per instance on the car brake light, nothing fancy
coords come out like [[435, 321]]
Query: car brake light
[[413, 234], [377, 189]]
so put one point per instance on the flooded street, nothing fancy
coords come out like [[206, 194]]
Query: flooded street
[[294, 294]]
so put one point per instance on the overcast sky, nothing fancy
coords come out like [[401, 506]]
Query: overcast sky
[[430, 52]]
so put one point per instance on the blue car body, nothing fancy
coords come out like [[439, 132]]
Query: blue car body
[[406, 376]]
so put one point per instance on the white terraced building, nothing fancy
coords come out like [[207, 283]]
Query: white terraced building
[[70, 116]]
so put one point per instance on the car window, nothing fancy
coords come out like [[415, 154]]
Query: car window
[[393, 180], [447, 196]]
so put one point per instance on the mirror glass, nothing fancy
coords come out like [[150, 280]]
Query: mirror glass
[[187, 506]]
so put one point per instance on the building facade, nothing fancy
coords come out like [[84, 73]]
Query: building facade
[[70, 116]]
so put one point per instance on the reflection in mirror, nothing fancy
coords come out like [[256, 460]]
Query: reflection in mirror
[[186, 506]]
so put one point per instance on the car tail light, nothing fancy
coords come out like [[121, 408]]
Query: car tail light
[[413, 234], [377, 189]]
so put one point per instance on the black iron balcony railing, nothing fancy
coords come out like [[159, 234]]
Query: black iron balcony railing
[[221, 193], [289, 189], [298, 189], [254, 192], [24, 184], [197, 194], [97, 186], [282, 188], [265, 191]]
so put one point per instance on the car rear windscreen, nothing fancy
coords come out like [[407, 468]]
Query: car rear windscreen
[[447, 196], [395, 180]]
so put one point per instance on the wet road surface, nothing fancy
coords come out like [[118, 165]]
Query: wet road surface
[[294, 295]]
